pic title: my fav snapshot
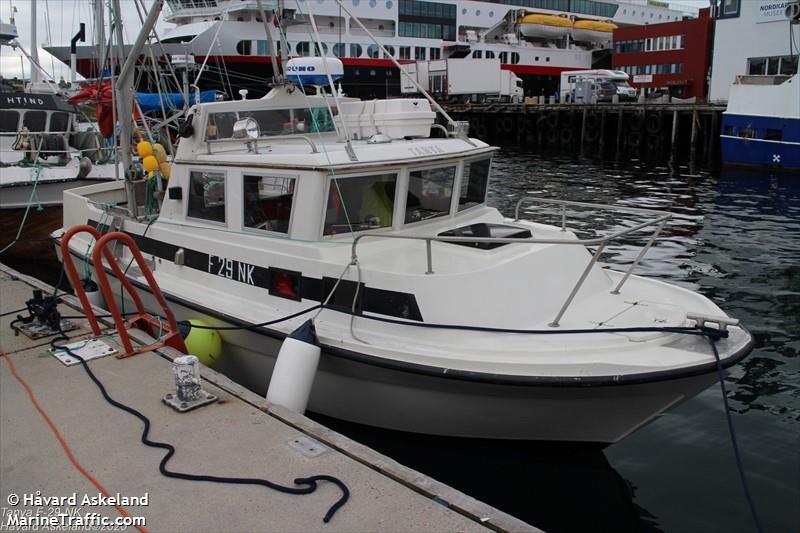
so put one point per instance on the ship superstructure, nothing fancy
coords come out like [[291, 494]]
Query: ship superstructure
[[232, 34]]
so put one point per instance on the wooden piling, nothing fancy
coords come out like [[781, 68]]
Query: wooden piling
[[693, 145], [602, 133], [619, 134], [583, 129], [673, 148]]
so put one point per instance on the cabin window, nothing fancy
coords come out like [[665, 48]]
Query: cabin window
[[339, 49], [773, 134], [268, 202], [419, 53], [474, 180], [429, 193], [356, 50], [373, 51], [514, 58], [489, 54], [302, 48], [747, 132], [477, 54], [59, 122], [9, 121], [244, 48], [405, 52], [34, 120], [360, 203], [207, 196], [503, 57], [389, 50]]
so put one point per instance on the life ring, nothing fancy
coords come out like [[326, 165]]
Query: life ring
[[566, 135], [552, 119], [505, 124], [636, 121], [634, 139], [653, 123]]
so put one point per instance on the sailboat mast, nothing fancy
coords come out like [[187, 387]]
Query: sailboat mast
[[35, 78], [100, 34]]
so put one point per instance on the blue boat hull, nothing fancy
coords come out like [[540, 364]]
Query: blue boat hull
[[771, 142]]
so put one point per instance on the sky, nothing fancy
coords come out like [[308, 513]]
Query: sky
[[58, 21]]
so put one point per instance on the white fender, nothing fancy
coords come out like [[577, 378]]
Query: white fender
[[293, 375]]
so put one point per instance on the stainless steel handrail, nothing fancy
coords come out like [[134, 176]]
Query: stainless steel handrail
[[272, 139], [660, 221]]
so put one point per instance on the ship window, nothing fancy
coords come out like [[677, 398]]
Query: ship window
[[419, 53], [729, 8], [405, 52], [302, 48], [757, 65], [773, 134], [772, 66], [268, 202], [9, 121], [339, 49], [436, 53], [373, 51], [244, 48], [356, 50], [34, 120], [503, 57], [429, 193], [727, 130], [747, 133], [59, 122], [489, 54], [360, 203], [477, 54], [514, 58], [789, 65], [473, 183], [390, 50], [207, 196]]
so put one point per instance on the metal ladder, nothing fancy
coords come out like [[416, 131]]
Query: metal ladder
[[142, 320]]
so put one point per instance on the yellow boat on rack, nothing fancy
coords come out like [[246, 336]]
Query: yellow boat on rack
[[544, 26], [595, 31]]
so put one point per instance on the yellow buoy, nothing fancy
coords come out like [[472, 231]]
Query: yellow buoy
[[166, 169], [150, 163], [144, 149], [159, 153], [206, 344]]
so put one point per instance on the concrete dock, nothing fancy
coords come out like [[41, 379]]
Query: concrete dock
[[239, 436]]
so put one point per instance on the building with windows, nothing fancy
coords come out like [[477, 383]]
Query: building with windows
[[673, 55], [751, 37]]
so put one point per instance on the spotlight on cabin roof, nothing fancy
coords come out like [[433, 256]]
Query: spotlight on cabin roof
[[313, 70]]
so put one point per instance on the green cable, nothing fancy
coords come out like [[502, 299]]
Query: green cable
[[27, 209]]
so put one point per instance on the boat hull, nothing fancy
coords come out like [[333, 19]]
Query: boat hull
[[365, 390], [743, 142], [34, 241]]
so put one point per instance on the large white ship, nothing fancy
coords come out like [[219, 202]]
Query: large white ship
[[555, 35]]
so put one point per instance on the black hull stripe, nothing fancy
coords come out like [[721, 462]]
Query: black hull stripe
[[469, 376], [373, 300]]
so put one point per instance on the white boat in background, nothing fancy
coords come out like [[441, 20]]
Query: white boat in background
[[231, 34], [441, 315]]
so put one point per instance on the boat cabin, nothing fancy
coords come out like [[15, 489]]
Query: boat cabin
[[291, 165]]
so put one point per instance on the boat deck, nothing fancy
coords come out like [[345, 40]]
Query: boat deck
[[237, 436]]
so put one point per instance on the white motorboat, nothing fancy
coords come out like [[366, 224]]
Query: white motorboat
[[448, 318]]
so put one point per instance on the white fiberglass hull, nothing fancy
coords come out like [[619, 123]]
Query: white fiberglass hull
[[381, 393]]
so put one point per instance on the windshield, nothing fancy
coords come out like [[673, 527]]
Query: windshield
[[271, 122]]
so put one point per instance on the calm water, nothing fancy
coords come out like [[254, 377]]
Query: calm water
[[739, 244]]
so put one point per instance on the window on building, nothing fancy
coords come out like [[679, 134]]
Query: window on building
[[473, 183], [9, 121], [405, 52], [207, 196], [729, 8], [429, 193], [268, 202], [360, 203], [35, 121], [356, 50]]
